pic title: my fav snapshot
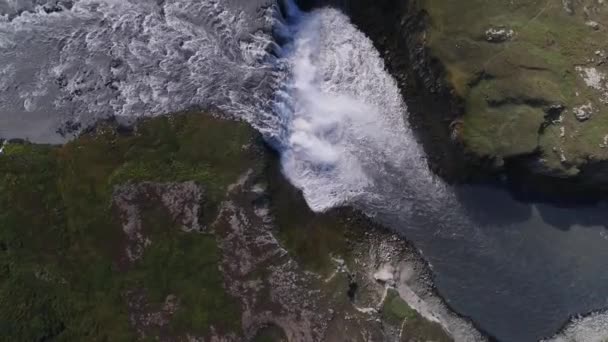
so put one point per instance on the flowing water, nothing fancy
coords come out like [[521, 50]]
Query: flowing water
[[67, 63], [317, 89]]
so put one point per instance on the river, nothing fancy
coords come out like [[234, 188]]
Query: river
[[317, 89]]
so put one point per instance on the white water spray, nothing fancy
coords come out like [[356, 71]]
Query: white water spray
[[342, 114]]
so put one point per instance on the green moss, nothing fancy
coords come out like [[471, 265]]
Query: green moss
[[312, 239], [420, 329], [413, 327], [504, 130], [60, 239], [395, 309], [525, 74]]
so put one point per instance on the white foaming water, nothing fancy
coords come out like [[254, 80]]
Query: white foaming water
[[343, 116], [78, 61], [324, 100]]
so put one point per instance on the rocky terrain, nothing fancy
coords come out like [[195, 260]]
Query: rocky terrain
[[508, 85], [183, 229], [591, 327]]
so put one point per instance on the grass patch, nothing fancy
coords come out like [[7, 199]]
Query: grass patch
[[312, 239], [395, 309], [533, 69], [414, 327]]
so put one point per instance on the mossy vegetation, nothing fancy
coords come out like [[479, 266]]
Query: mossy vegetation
[[412, 326], [61, 278], [510, 84], [395, 310], [313, 239]]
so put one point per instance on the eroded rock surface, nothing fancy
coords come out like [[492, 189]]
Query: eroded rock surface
[[183, 202]]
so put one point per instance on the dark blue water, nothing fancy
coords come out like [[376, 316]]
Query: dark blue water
[[519, 270]]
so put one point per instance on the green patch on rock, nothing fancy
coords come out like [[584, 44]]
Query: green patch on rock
[[503, 130], [395, 309], [412, 326], [313, 239], [420, 329]]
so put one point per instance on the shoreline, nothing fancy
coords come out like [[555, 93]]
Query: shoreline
[[412, 276], [570, 329]]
